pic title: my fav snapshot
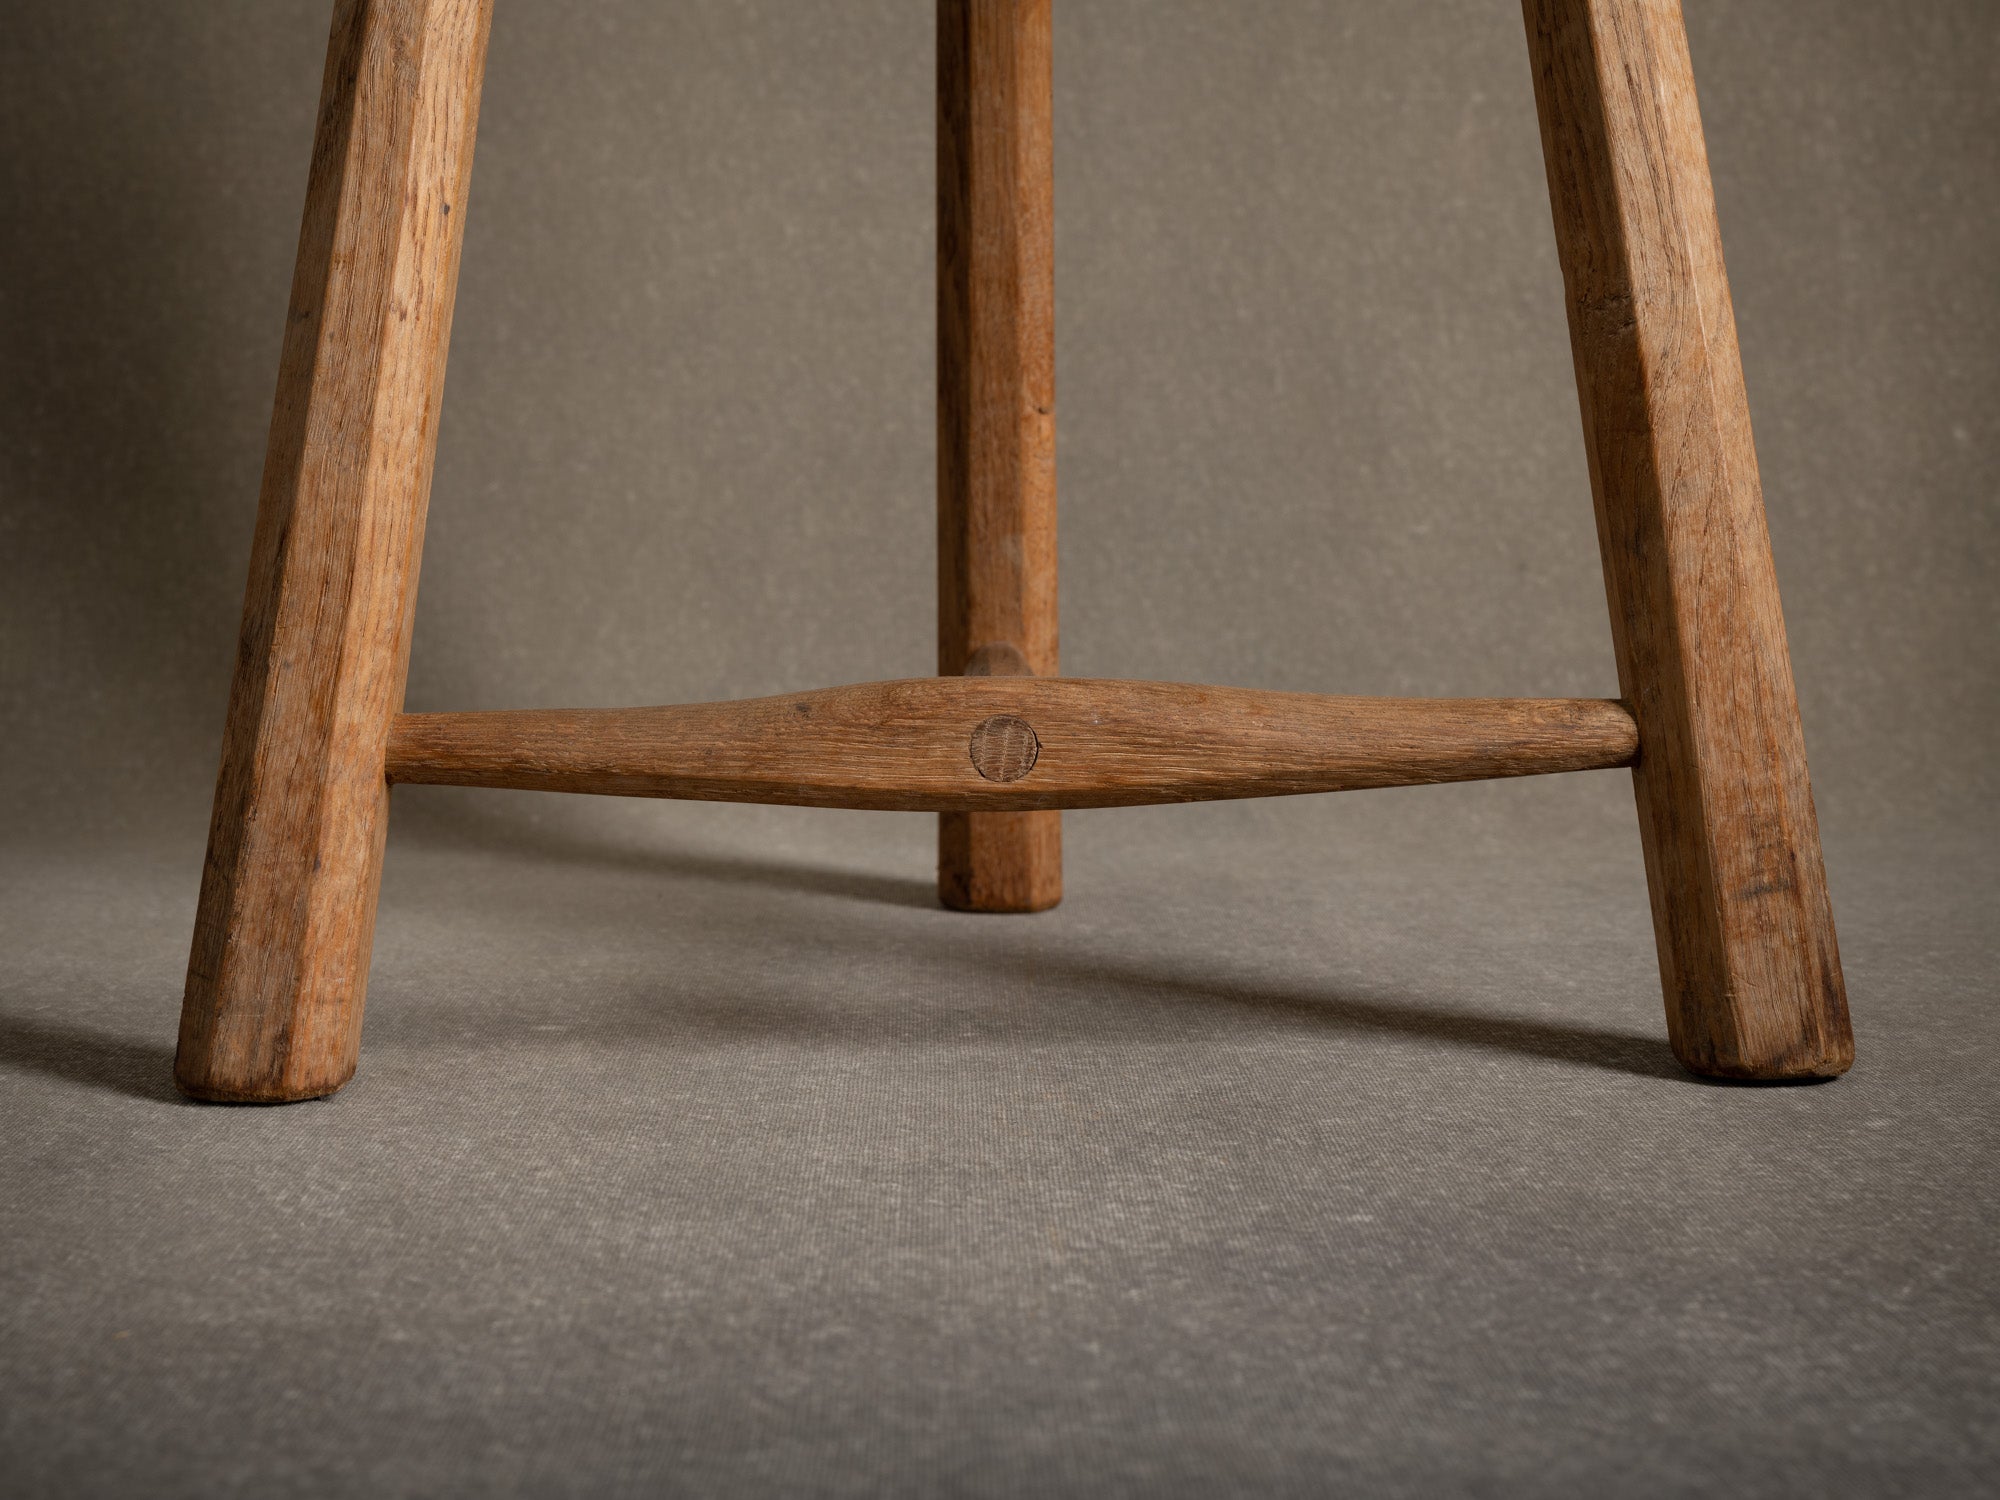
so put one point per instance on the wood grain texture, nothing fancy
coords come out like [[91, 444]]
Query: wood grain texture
[[917, 745], [281, 944], [1747, 950], [996, 407]]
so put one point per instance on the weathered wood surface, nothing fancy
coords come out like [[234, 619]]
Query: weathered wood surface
[[996, 407], [1747, 951], [286, 919], [942, 743]]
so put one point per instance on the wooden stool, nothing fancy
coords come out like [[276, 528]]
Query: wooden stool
[[996, 744]]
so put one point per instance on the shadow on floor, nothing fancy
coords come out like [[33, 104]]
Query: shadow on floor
[[78, 1054], [447, 827], [144, 1070], [1519, 1036], [1124, 980]]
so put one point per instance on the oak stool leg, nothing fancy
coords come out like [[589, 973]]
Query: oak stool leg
[[1747, 952], [281, 942], [996, 409]]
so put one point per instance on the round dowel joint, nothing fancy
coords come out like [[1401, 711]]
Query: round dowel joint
[[1004, 748]]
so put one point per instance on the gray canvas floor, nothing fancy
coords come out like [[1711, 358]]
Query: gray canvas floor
[[1328, 1146]]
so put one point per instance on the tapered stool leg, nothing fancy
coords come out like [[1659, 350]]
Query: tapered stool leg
[[287, 914], [996, 409], [1747, 953]]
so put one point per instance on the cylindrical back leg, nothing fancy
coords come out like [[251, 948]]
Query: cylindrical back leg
[[996, 409]]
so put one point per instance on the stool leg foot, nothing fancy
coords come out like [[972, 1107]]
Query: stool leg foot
[[996, 408], [1000, 861], [1745, 930], [287, 911]]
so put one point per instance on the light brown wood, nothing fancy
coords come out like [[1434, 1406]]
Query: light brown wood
[[996, 407], [975, 743], [998, 742], [280, 957], [1747, 951]]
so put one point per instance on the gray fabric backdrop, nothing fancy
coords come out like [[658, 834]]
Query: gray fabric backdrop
[[1317, 424], [1327, 1144]]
